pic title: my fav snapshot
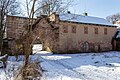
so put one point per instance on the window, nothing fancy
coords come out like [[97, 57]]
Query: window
[[105, 31], [65, 29], [73, 29], [86, 30], [96, 30]]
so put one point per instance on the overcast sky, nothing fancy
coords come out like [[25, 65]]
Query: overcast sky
[[98, 8]]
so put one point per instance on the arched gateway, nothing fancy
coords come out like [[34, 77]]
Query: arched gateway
[[43, 29]]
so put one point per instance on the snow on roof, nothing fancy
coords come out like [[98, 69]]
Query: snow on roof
[[84, 19], [118, 35], [118, 28]]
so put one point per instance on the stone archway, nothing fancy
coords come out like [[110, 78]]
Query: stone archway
[[43, 29]]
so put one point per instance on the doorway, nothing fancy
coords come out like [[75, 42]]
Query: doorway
[[85, 47]]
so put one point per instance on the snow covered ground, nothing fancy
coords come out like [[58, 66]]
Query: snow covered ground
[[89, 66], [37, 48], [85, 66]]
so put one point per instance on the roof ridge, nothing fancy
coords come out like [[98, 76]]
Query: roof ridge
[[84, 15], [85, 19]]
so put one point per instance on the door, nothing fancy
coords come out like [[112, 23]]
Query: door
[[86, 47]]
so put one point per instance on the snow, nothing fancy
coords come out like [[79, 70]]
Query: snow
[[11, 69], [36, 48], [118, 35], [79, 66], [118, 25], [118, 29], [84, 19], [1, 57], [94, 66]]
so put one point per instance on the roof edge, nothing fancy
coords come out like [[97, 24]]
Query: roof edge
[[88, 23]]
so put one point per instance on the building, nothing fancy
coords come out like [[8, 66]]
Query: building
[[15, 28], [0, 15], [79, 33], [116, 38], [67, 33]]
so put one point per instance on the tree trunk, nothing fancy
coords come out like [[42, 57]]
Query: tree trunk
[[1, 40], [27, 56], [1, 34], [28, 49]]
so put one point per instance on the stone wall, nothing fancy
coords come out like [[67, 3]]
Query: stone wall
[[79, 41], [15, 28], [65, 37]]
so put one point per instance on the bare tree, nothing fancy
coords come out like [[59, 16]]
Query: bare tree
[[113, 18], [27, 40], [31, 9], [50, 6], [6, 7]]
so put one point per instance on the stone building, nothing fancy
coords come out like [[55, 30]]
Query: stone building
[[116, 38], [79, 33], [70, 33], [0, 16], [15, 28]]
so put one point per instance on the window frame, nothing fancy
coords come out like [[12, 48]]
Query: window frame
[[73, 29], [65, 29], [105, 31], [85, 30], [96, 31]]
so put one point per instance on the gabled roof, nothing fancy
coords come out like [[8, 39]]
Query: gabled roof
[[84, 19]]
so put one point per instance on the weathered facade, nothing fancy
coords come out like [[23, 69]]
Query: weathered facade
[[116, 38], [72, 34], [75, 36], [15, 28]]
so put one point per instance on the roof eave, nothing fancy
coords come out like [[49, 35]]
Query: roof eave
[[87, 23]]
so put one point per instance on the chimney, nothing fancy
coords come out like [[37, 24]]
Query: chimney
[[68, 12], [85, 14]]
